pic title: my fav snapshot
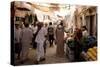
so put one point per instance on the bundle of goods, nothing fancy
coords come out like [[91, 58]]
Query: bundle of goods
[[88, 46], [71, 43], [91, 54], [88, 42], [91, 41], [70, 48]]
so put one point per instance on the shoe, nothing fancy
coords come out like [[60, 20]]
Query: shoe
[[50, 46], [36, 62], [22, 62], [18, 58], [42, 59]]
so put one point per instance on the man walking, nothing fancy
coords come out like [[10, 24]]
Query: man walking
[[51, 34], [40, 38]]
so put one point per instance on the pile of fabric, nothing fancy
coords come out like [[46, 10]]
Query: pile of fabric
[[91, 54], [88, 42], [88, 48]]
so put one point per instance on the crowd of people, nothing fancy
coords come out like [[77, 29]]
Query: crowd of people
[[36, 35]]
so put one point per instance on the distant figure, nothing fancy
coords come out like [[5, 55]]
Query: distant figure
[[17, 32], [60, 40], [84, 31], [26, 40], [51, 34], [40, 38]]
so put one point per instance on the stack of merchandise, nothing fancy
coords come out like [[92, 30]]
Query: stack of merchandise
[[91, 54], [70, 44], [88, 47], [88, 42]]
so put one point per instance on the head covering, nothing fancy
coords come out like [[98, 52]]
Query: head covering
[[39, 24]]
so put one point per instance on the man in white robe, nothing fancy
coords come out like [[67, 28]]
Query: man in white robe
[[40, 38]]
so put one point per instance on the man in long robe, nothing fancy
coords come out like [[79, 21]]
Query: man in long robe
[[60, 40], [40, 39]]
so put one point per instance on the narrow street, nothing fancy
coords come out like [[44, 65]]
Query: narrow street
[[72, 25], [51, 57]]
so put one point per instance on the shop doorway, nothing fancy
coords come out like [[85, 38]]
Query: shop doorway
[[90, 24]]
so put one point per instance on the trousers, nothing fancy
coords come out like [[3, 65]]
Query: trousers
[[40, 50]]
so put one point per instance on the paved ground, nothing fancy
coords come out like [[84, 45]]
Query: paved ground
[[50, 57]]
